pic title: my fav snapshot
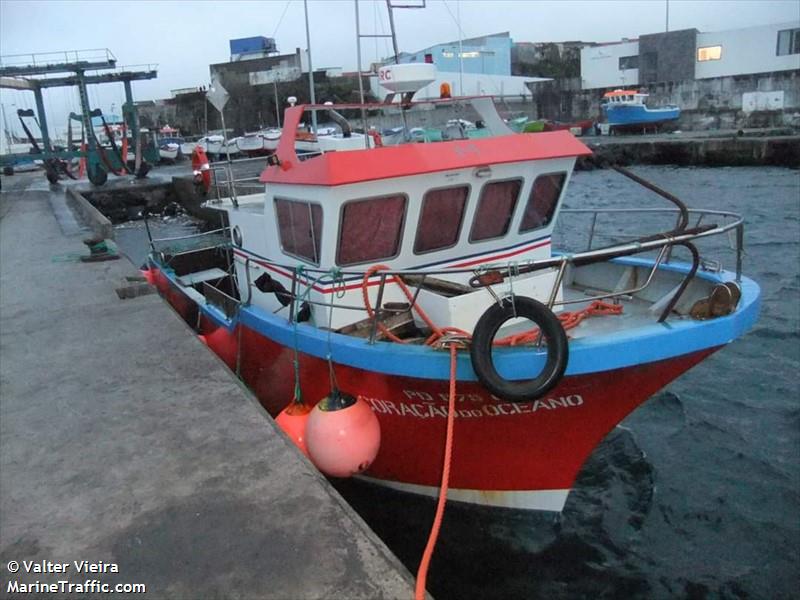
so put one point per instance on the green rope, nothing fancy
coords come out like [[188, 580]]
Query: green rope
[[335, 274]]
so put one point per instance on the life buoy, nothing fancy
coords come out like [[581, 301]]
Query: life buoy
[[483, 338], [201, 168]]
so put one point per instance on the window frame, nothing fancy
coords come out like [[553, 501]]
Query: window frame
[[278, 227], [401, 234], [699, 48], [460, 224], [556, 206], [794, 36], [513, 210], [628, 58]]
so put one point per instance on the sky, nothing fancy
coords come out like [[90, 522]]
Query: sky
[[184, 36]]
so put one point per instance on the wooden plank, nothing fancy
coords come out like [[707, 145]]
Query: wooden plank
[[440, 286]]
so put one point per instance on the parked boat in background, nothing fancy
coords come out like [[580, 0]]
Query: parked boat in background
[[169, 149], [211, 144], [626, 109]]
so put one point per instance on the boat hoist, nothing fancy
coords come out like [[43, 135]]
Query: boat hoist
[[76, 69]]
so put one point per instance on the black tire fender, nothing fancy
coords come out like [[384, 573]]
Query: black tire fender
[[483, 338]]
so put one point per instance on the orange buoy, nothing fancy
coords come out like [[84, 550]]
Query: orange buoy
[[343, 435], [224, 344], [149, 276], [292, 420], [201, 168]]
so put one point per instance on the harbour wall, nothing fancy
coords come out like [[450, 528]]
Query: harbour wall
[[730, 151], [734, 102]]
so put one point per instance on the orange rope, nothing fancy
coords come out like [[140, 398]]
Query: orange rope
[[569, 320], [437, 331], [422, 572]]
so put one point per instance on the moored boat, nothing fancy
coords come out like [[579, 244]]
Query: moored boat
[[360, 269], [627, 109]]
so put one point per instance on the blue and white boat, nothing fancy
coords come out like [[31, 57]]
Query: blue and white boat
[[627, 109]]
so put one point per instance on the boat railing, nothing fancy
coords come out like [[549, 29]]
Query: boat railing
[[228, 187], [485, 276], [187, 244], [304, 277]]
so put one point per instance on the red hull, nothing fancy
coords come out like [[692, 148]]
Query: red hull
[[500, 449]]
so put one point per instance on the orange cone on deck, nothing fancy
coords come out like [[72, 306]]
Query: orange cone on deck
[[343, 435], [293, 420]]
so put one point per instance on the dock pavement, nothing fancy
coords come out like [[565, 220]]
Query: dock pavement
[[129, 455]]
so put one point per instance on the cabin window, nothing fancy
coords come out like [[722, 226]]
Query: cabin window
[[371, 229], [440, 219], [788, 42], [709, 53], [543, 201], [495, 209], [299, 228]]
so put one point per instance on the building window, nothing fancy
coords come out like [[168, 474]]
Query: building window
[[628, 62], [788, 42], [371, 229], [299, 228], [709, 53], [440, 219], [543, 201], [495, 209]]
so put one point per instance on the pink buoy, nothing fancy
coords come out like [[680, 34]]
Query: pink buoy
[[292, 420], [343, 435]]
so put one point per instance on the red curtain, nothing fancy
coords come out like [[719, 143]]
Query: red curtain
[[371, 229], [440, 218], [495, 209], [542, 201], [300, 228]]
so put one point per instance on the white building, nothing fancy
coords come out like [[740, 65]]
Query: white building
[[689, 54]]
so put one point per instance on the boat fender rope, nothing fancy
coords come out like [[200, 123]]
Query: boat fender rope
[[483, 340], [422, 571]]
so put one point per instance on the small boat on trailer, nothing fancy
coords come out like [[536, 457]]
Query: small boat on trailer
[[626, 110], [360, 269]]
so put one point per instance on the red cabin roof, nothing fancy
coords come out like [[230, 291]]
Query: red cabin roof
[[354, 166]]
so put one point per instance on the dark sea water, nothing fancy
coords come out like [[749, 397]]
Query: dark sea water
[[697, 493]]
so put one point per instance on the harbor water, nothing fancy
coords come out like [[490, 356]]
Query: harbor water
[[697, 493]]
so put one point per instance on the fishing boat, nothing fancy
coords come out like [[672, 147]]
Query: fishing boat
[[211, 144], [169, 148], [627, 109], [259, 143], [392, 272]]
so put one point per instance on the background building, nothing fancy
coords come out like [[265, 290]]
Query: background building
[[690, 54], [488, 55], [726, 79]]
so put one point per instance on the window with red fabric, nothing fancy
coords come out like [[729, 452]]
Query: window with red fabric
[[299, 228], [495, 209], [543, 200], [371, 229], [440, 218]]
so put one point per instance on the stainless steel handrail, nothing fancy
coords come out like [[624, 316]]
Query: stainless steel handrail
[[663, 242]]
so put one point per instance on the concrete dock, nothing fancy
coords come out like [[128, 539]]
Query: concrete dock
[[125, 442]]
